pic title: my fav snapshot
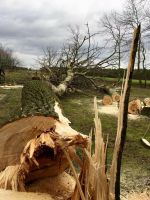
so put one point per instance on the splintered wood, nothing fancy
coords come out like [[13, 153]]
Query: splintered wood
[[33, 148]]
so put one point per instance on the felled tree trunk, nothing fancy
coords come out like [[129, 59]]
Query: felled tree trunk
[[32, 147]]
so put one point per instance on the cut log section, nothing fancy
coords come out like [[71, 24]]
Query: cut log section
[[147, 102], [59, 187], [107, 100], [134, 107], [115, 97], [32, 148]]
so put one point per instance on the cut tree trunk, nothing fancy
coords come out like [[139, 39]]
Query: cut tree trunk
[[32, 149]]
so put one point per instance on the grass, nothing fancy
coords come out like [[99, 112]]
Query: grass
[[10, 105], [110, 80], [79, 109], [18, 76]]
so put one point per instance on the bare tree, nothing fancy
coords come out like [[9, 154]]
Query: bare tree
[[133, 15], [114, 32], [81, 51]]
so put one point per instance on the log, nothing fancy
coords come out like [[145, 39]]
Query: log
[[59, 187], [12, 195], [40, 142], [134, 107], [115, 97], [147, 102], [107, 100]]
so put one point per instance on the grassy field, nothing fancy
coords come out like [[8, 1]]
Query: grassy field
[[78, 108], [113, 80]]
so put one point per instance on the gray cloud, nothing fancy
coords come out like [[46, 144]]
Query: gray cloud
[[29, 26]]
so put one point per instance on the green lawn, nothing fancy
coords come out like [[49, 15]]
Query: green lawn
[[109, 80], [79, 109]]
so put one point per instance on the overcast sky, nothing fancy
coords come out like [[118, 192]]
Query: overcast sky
[[28, 26]]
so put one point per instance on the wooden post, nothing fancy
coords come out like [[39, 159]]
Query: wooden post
[[114, 187]]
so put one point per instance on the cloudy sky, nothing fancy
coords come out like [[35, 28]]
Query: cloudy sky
[[28, 26]]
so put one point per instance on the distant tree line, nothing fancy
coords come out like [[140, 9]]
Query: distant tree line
[[7, 61]]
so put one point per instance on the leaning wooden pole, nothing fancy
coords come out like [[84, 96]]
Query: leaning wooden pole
[[114, 187]]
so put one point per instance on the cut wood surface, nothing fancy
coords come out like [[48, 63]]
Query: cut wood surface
[[12, 195], [32, 149], [134, 107], [15, 135], [147, 102], [59, 187], [115, 97], [107, 100]]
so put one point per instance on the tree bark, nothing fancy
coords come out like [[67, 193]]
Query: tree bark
[[62, 87]]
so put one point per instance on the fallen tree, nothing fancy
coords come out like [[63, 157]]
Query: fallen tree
[[73, 61]]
